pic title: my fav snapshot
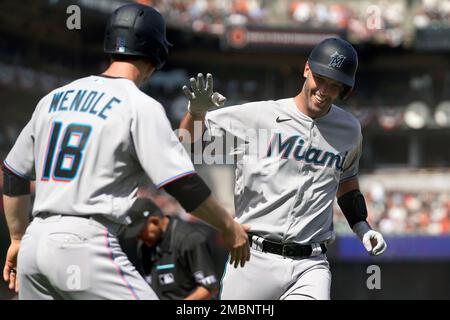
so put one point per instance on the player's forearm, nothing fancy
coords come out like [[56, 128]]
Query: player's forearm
[[16, 213], [214, 214], [353, 206], [194, 125], [200, 293]]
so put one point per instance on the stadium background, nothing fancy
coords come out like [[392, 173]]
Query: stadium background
[[256, 50]]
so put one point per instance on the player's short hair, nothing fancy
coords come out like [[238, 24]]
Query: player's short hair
[[125, 58]]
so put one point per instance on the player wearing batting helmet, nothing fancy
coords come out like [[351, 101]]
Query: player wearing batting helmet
[[287, 178], [87, 145]]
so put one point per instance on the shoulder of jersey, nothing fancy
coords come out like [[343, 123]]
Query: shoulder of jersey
[[62, 88], [250, 105], [261, 104], [49, 95], [66, 86], [145, 101], [345, 117]]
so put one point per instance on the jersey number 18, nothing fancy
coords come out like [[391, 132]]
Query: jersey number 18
[[68, 154]]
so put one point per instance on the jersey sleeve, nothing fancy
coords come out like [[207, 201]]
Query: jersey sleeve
[[158, 150], [235, 120], [21, 158], [351, 164], [228, 130], [200, 262]]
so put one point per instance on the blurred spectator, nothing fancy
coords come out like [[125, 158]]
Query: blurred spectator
[[400, 213], [432, 13], [380, 21]]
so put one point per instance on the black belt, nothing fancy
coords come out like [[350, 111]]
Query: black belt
[[113, 227], [286, 249], [45, 214]]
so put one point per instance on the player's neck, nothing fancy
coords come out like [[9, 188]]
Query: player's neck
[[301, 103], [133, 71]]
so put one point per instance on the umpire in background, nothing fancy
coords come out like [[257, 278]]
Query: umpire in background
[[173, 256]]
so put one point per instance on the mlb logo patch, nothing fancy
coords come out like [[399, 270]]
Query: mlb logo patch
[[336, 60], [120, 44], [166, 278]]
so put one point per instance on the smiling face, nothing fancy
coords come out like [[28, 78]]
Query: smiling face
[[318, 93]]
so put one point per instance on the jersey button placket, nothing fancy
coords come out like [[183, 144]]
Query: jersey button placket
[[300, 176], [302, 172]]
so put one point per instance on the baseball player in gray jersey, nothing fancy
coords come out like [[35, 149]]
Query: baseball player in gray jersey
[[307, 153], [86, 145]]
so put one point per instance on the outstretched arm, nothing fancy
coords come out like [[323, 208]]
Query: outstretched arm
[[234, 234], [194, 126], [195, 197]]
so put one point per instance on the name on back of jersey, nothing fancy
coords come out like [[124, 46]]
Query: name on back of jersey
[[87, 101]]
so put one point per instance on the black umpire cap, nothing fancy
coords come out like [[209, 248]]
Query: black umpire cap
[[139, 213]]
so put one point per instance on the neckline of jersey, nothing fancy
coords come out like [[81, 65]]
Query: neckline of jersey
[[109, 77], [294, 105]]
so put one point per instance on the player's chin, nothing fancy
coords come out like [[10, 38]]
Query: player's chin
[[318, 106]]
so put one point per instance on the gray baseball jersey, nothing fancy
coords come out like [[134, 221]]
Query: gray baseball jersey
[[289, 166], [88, 143]]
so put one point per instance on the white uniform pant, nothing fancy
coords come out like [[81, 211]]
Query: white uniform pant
[[269, 276], [66, 257]]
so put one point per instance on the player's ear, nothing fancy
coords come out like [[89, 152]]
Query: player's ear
[[306, 70]]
